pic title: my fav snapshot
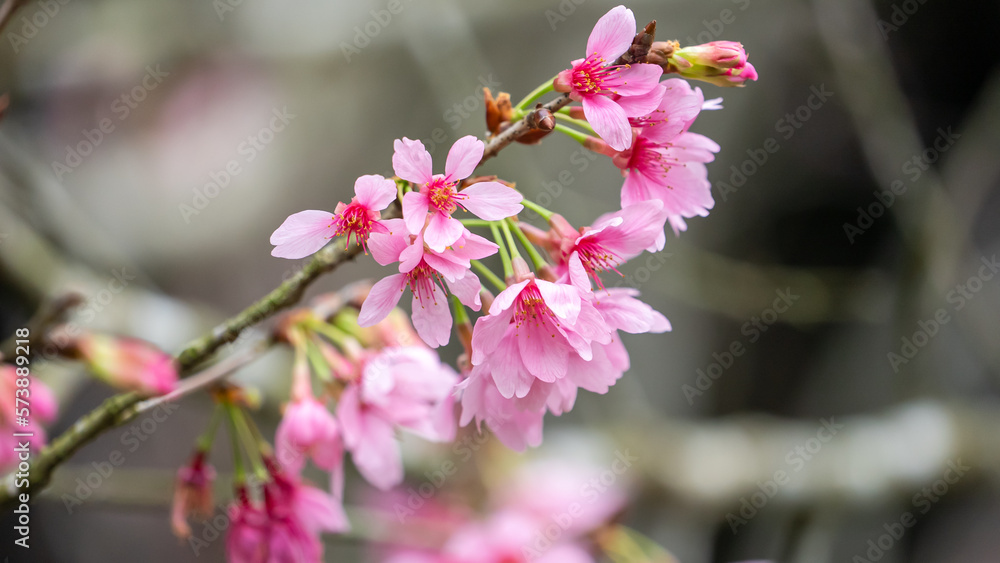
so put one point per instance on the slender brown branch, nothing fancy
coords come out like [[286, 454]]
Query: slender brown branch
[[511, 134], [7, 11]]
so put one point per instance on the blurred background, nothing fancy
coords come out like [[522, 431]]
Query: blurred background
[[834, 359]]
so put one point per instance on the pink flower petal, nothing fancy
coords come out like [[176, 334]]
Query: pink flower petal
[[642, 104], [509, 374], [432, 318], [613, 34], [302, 234], [506, 298], [386, 248], [411, 161], [492, 201], [375, 192], [467, 289], [473, 247], [609, 121], [562, 299], [415, 205], [543, 356], [376, 455], [463, 158], [411, 256], [442, 231], [451, 270], [636, 80], [383, 296], [487, 333]]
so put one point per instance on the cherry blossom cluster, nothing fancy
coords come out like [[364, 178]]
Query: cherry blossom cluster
[[535, 328], [553, 327]]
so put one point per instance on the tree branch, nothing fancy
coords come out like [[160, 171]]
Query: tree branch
[[511, 134], [124, 407]]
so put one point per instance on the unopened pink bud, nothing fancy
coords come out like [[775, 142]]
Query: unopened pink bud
[[128, 363]]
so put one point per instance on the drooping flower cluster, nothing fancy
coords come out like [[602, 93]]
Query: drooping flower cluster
[[553, 327]]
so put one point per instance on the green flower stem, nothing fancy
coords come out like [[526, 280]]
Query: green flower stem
[[508, 270], [577, 122], [536, 258], [461, 315], [542, 89], [545, 213], [204, 443], [489, 275], [475, 222], [514, 252], [238, 469], [250, 443], [572, 133]]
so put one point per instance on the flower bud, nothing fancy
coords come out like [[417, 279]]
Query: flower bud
[[542, 119], [192, 494], [723, 63], [127, 363]]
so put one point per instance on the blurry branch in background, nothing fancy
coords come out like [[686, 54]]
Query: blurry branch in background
[[123, 407], [50, 315], [7, 11], [935, 231]]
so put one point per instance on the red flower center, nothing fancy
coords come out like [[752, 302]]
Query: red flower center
[[356, 220], [590, 75], [442, 195], [596, 259]]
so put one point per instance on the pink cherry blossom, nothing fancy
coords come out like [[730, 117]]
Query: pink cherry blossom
[[611, 93], [613, 239], [430, 275], [672, 172], [288, 525], [305, 232], [439, 194], [407, 388], [309, 429], [533, 329]]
